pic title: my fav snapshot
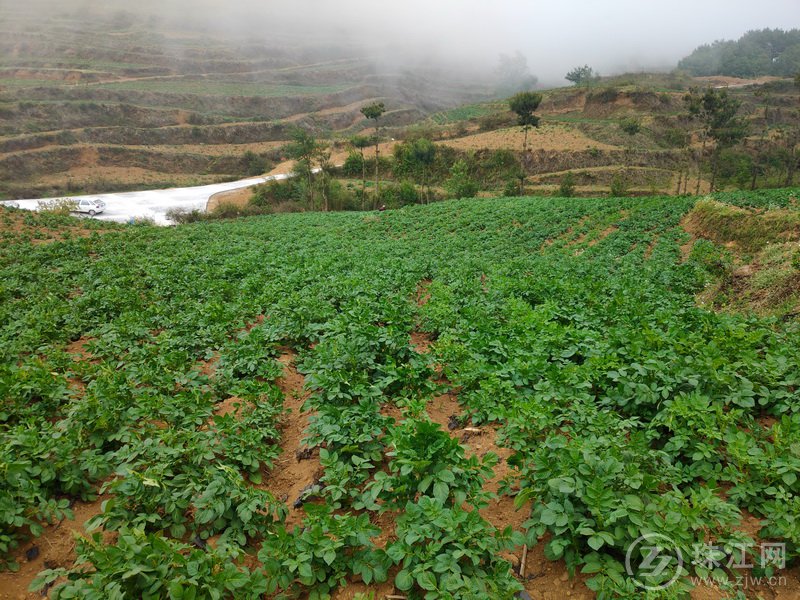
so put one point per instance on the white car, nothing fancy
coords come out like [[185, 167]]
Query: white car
[[89, 206]]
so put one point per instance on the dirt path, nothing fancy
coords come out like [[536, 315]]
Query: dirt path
[[295, 469]]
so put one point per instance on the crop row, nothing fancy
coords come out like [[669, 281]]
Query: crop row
[[570, 325]]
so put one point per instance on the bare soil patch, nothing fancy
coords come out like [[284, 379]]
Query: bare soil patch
[[547, 137], [603, 235], [53, 549], [239, 198], [549, 580], [233, 405], [79, 352], [90, 175], [733, 82], [291, 475], [445, 410], [420, 342]]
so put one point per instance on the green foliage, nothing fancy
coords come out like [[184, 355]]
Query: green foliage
[[254, 164], [373, 111], [322, 554], [415, 159], [752, 229], [756, 53], [714, 259], [449, 552], [599, 491], [566, 188], [605, 96], [675, 137], [402, 194], [353, 165], [619, 186], [360, 142], [59, 206], [524, 104], [161, 485], [737, 167], [460, 184], [471, 112], [511, 188], [568, 328], [276, 192], [581, 75], [144, 565], [630, 126], [717, 113], [183, 216], [426, 461]]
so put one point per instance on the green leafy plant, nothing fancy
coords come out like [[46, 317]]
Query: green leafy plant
[[426, 461], [322, 554], [449, 552], [144, 565], [566, 188], [599, 491]]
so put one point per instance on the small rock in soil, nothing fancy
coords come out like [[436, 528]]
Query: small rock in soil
[[309, 492], [46, 589], [304, 454]]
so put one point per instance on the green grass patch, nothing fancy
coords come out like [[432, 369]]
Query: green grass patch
[[11, 82], [749, 229], [464, 113], [222, 88]]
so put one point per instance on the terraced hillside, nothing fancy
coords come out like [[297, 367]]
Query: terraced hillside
[[99, 99], [636, 127], [455, 401]]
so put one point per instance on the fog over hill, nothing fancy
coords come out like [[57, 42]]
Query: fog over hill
[[470, 35]]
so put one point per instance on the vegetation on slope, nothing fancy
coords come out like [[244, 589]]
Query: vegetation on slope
[[152, 364], [754, 253], [757, 53]]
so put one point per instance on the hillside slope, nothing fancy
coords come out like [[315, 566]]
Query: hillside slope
[[405, 385], [163, 104]]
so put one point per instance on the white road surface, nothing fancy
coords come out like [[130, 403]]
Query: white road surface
[[154, 204]]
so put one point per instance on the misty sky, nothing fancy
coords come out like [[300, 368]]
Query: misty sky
[[611, 35]]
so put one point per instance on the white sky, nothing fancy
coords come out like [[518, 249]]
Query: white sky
[[611, 35], [555, 35]]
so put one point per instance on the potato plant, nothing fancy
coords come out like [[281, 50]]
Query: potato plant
[[569, 327]]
